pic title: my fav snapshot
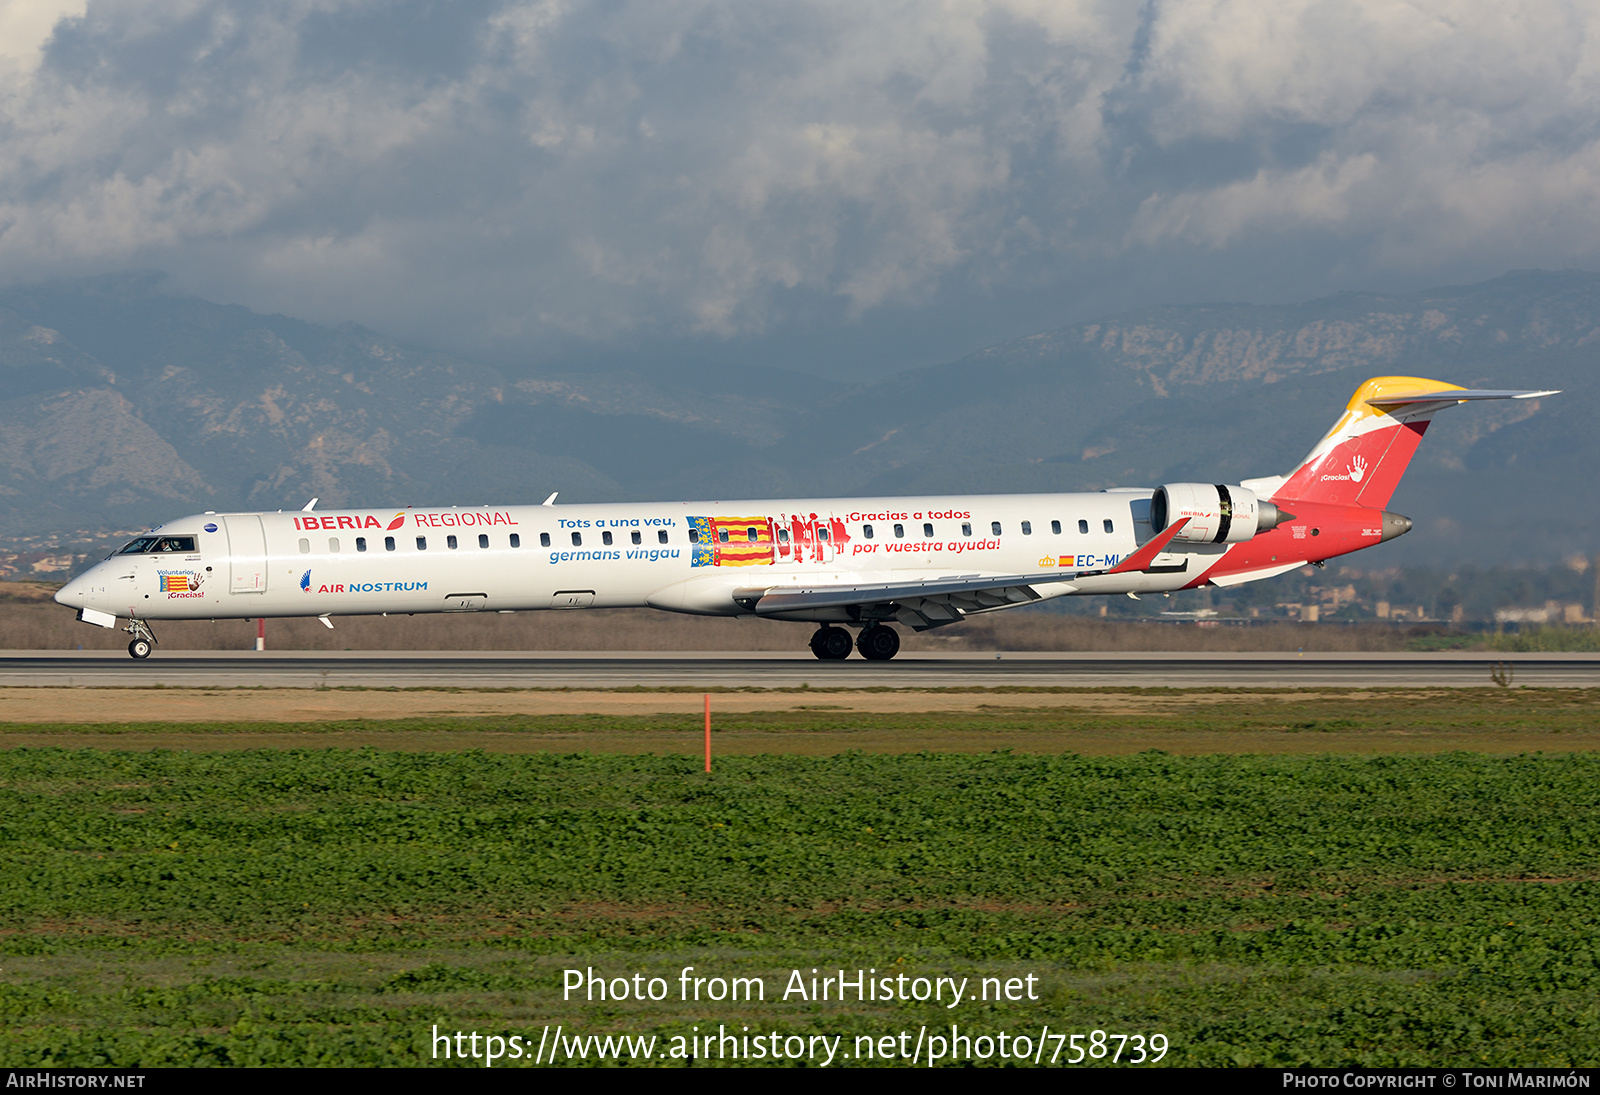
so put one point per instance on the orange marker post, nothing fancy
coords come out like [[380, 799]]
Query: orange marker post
[[708, 731]]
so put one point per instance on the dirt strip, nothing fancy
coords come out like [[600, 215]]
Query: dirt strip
[[91, 705]]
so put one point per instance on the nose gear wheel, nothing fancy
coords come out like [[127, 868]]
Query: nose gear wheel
[[144, 640]]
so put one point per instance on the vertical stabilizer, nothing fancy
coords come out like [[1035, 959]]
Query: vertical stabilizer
[[1362, 458]]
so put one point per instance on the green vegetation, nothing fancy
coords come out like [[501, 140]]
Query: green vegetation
[[1547, 639], [1044, 721], [331, 906], [1444, 640]]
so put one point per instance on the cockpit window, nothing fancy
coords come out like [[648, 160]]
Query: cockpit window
[[162, 545]]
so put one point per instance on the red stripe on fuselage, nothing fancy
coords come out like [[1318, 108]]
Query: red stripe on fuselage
[[1319, 531]]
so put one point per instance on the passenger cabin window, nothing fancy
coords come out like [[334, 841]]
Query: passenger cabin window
[[994, 528], [927, 531], [966, 528], [1027, 528], [605, 538], [722, 535], [305, 546], [388, 543], [899, 531], [637, 537], [483, 540], [361, 543], [783, 536], [1083, 527], [516, 539], [451, 543], [661, 536], [1107, 523], [1055, 527], [333, 544], [544, 540], [577, 539], [422, 543], [866, 532], [750, 535], [694, 536], [822, 534]]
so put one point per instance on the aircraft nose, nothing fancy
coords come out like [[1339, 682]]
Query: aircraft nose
[[71, 594]]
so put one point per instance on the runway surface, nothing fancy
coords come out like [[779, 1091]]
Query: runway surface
[[588, 670]]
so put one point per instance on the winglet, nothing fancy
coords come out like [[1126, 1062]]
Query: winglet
[[551, 500], [1141, 558], [309, 506]]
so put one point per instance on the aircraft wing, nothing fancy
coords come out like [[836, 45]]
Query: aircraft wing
[[926, 603]]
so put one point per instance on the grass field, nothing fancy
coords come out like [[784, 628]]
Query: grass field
[[332, 905], [815, 722]]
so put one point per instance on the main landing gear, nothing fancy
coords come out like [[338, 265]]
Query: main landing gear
[[144, 640], [877, 643], [831, 644]]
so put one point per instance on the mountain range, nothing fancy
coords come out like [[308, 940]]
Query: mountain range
[[121, 406]]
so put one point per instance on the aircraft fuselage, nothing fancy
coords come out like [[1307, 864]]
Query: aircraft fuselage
[[686, 557]]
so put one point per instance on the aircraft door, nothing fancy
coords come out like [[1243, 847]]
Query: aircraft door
[[247, 554]]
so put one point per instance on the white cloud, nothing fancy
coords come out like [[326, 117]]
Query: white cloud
[[1319, 195], [682, 166], [26, 25]]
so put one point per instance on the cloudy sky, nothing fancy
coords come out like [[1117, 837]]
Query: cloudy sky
[[840, 186]]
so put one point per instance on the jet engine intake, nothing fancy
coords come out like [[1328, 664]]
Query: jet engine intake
[[1217, 514]]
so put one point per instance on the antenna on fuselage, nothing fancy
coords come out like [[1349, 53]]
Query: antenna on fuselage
[[309, 506], [551, 500]]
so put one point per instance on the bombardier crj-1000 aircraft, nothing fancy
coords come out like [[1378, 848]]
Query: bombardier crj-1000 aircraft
[[865, 563]]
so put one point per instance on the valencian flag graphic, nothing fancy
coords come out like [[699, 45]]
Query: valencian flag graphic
[[731, 541], [174, 583]]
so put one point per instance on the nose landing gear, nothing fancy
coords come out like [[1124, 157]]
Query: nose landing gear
[[144, 639]]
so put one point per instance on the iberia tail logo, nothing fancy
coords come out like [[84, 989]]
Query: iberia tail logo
[[305, 581], [399, 519]]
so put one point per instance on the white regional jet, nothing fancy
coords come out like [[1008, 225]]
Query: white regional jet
[[856, 562]]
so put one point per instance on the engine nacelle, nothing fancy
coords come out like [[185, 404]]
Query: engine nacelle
[[1217, 514]]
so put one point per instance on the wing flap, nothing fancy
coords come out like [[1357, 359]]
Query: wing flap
[[766, 602]]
